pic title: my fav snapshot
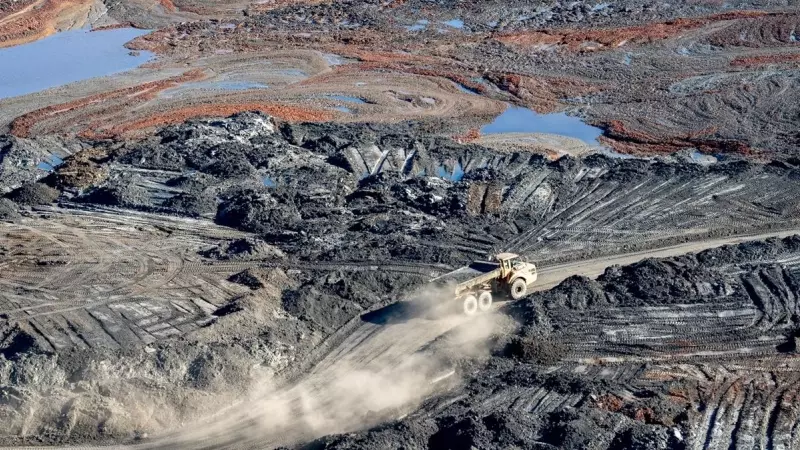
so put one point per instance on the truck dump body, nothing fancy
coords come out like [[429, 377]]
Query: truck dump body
[[478, 272], [474, 286]]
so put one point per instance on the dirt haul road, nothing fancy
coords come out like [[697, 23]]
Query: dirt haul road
[[376, 368]]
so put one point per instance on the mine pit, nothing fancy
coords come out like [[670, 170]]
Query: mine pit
[[305, 225]]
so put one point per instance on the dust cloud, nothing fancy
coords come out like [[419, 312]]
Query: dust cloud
[[382, 378]]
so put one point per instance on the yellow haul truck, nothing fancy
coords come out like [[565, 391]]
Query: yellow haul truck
[[475, 284]]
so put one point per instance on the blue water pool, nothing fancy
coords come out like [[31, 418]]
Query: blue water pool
[[443, 172], [293, 73], [455, 23], [65, 58], [51, 164], [523, 120]]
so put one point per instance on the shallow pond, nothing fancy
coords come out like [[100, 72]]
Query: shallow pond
[[523, 120], [65, 58], [455, 23], [702, 158], [456, 174], [51, 164]]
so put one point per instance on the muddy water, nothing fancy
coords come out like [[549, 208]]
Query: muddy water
[[65, 58], [523, 120]]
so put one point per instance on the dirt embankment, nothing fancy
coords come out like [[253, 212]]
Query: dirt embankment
[[28, 21], [592, 40], [283, 112], [21, 126], [756, 61], [151, 359]]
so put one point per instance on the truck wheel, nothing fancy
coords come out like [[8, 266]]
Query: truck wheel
[[470, 305], [485, 301], [518, 289]]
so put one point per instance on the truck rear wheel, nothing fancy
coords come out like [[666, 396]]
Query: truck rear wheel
[[485, 301], [518, 289], [470, 305]]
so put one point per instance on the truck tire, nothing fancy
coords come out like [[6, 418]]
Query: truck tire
[[470, 305], [518, 289], [485, 301]]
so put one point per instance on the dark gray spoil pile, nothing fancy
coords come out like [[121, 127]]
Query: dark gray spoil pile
[[242, 250], [532, 394], [8, 209], [354, 194], [359, 192], [32, 194], [709, 276]]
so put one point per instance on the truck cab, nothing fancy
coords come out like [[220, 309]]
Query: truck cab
[[516, 274]]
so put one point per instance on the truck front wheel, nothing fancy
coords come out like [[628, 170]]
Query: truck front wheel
[[518, 289], [470, 305], [485, 301]]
